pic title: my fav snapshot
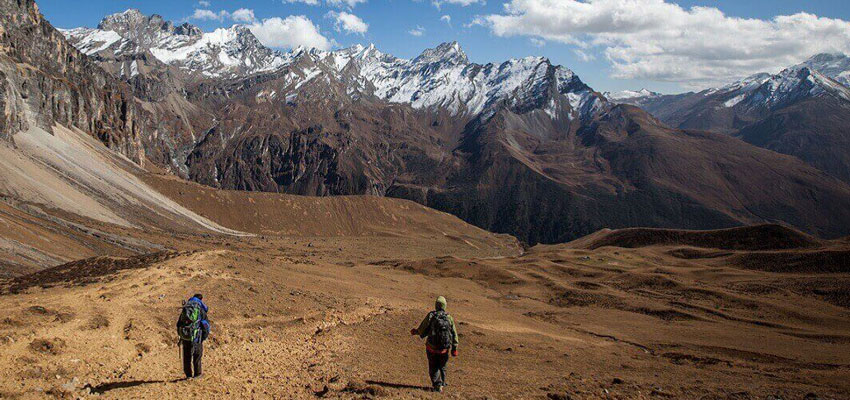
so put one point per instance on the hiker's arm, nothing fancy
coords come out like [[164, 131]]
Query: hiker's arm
[[422, 330], [455, 341]]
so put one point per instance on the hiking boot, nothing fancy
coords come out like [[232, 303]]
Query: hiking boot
[[438, 388]]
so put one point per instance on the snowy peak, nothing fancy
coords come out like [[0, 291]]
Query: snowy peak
[[443, 77], [749, 83], [223, 53], [92, 41], [795, 83], [630, 95], [835, 66], [439, 78], [145, 30], [449, 52]]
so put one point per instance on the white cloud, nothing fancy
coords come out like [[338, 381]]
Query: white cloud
[[418, 31], [204, 3], [462, 3], [243, 15], [349, 23], [309, 2], [289, 32], [341, 3], [537, 42], [583, 55], [447, 19], [334, 3], [204, 14], [654, 39]]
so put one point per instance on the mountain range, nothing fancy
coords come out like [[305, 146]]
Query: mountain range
[[521, 147], [803, 111]]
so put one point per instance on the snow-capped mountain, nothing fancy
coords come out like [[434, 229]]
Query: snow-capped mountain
[[789, 85], [442, 77], [802, 111], [820, 74], [223, 53], [622, 95], [835, 66]]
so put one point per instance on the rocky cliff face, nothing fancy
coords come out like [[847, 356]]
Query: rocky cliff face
[[46, 81]]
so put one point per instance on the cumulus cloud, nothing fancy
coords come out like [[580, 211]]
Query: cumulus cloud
[[349, 23], [583, 55], [243, 15], [334, 3], [447, 19], [308, 2], [462, 3], [204, 3], [418, 31], [345, 3], [289, 32], [655, 39], [204, 14]]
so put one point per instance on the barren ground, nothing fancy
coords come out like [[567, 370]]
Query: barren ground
[[316, 299]]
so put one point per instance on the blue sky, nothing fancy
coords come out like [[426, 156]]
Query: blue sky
[[611, 44]]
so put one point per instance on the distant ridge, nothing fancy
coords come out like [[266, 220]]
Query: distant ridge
[[748, 238]]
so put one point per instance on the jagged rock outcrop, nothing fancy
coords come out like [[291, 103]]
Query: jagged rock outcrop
[[46, 81]]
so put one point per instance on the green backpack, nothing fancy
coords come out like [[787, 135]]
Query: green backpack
[[189, 322]]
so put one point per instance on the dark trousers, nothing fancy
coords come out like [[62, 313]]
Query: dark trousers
[[192, 353], [437, 368]]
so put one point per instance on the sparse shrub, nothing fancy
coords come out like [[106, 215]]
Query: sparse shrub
[[47, 346], [142, 348], [99, 321]]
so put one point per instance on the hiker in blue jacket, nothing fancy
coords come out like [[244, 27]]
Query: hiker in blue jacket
[[193, 328]]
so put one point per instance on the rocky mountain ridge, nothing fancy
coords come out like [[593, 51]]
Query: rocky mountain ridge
[[802, 111], [223, 53], [442, 77]]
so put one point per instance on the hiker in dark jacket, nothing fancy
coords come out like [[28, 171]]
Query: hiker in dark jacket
[[192, 338], [439, 329]]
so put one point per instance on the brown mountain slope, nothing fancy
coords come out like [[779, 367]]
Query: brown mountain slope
[[337, 216], [809, 120], [85, 200], [752, 238], [519, 172], [628, 169]]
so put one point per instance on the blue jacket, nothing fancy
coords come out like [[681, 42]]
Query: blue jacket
[[205, 324]]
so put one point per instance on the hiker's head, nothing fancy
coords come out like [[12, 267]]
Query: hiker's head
[[440, 304], [198, 296]]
